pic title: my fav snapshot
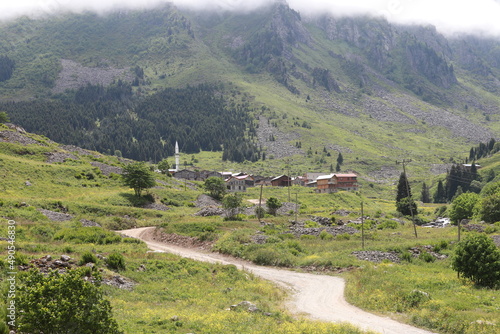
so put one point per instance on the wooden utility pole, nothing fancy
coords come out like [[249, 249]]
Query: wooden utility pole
[[362, 227], [260, 203], [296, 206], [404, 162]]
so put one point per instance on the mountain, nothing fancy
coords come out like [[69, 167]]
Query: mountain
[[265, 86]]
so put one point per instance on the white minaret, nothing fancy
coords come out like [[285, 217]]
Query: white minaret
[[176, 156]]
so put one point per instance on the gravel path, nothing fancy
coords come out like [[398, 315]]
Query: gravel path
[[319, 296]]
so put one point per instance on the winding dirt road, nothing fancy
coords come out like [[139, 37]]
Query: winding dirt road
[[321, 297]]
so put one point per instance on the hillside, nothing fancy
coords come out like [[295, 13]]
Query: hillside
[[67, 201], [373, 91]]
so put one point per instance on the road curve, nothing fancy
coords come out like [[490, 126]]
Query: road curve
[[321, 297]]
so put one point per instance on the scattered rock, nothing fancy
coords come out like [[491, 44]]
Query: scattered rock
[[259, 239], [89, 223], [119, 282], [204, 200], [496, 239], [377, 256], [156, 206], [65, 258], [19, 138], [53, 157], [56, 216], [299, 229], [245, 305], [107, 169], [210, 211], [473, 227]]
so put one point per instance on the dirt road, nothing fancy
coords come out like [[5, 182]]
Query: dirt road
[[319, 296]]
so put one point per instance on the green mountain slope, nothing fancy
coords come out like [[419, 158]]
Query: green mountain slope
[[373, 91]]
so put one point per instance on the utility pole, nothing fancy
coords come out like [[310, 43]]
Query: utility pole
[[296, 206], [404, 162], [362, 227], [260, 203]]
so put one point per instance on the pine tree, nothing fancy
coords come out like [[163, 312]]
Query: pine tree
[[404, 189], [340, 159], [426, 196], [440, 194]]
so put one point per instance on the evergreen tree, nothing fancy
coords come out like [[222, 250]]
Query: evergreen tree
[[404, 189], [425, 195], [440, 194], [340, 159], [404, 201]]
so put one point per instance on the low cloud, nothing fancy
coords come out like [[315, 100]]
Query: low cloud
[[449, 17]]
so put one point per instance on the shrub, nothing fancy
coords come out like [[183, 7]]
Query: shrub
[[272, 257], [311, 224], [478, 259], [324, 235], [415, 298], [388, 224], [406, 256], [87, 257], [116, 261], [63, 303], [427, 257]]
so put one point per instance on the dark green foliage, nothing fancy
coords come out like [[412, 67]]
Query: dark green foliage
[[490, 208], [216, 187], [404, 202], [116, 261], [478, 259], [340, 159], [425, 194], [440, 194], [4, 117], [483, 150], [273, 204], [407, 206], [460, 176], [163, 166], [88, 257], [463, 207], [63, 303], [7, 66], [232, 204], [143, 128], [138, 176]]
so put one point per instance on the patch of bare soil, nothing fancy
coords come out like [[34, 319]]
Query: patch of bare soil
[[179, 240]]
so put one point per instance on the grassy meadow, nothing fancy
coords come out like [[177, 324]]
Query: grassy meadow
[[174, 295]]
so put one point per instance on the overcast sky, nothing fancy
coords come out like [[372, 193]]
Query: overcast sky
[[449, 16]]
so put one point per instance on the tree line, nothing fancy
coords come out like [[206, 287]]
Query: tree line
[[113, 120]]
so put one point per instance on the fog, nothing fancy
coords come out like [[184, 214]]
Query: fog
[[448, 16]]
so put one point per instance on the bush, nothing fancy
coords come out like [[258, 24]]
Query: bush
[[63, 303], [427, 257], [272, 257], [116, 261], [94, 235], [388, 224], [478, 259], [324, 235], [406, 256], [87, 257], [415, 298]]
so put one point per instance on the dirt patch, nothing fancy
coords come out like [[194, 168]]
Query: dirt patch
[[180, 240]]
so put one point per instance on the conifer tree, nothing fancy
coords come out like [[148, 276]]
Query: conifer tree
[[440, 194], [340, 159], [425, 195]]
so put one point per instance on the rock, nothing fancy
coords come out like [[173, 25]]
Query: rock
[[141, 268], [65, 258], [210, 211], [377, 256], [246, 305], [27, 184], [56, 216], [89, 223]]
